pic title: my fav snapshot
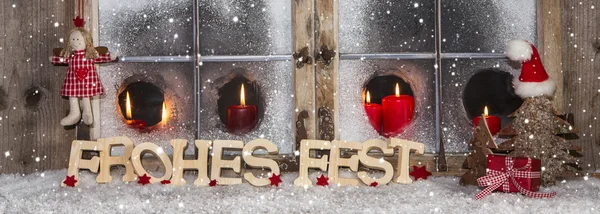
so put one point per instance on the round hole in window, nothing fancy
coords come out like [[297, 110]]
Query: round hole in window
[[238, 117], [389, 104], [492, 88], [145, 104]]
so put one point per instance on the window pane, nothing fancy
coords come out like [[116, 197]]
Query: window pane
[[386, 26], [273, 81], [456, 125], [176, 81], [354, 75], [147, 28], [232, 27], [486, 25]]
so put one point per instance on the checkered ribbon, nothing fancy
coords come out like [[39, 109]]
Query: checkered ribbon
[[494, 179]]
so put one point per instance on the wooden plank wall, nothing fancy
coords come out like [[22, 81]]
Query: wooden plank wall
[[581, 66], [304, 75], [31, 138], [550, 31], [326, 20]]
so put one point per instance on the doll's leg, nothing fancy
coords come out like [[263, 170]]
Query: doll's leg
[[87, 116], [74, 113], [95, 127]]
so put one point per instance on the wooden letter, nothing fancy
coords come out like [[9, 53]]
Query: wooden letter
[[260, 162], [218, 163], [200, 164], [336, 161], [403, 155], [307, 162], [136, 158], [106, 160], [75, 161], [376, 163]]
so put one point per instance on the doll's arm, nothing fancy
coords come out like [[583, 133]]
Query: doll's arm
[[104, 58], [57, 60]]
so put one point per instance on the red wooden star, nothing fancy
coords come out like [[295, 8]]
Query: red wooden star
[[144, 179], [165, 182], [275, 180], [70, 181], [212, 182], [322, 181], [420, 172], [374, 184]]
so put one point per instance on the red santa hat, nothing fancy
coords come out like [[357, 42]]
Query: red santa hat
[[534, 80]]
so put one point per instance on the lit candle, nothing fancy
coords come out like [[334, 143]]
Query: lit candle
[[241, 118], [493, 122], [164, 115], [374, 113], [398, 112], [127, 107], [140, 124]]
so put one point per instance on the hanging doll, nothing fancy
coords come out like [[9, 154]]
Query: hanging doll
[[81, 82]]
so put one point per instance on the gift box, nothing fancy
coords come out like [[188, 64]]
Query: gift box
[[529, 179]]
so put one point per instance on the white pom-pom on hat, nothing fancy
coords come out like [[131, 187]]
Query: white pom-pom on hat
[[518, 50], [533, 80]]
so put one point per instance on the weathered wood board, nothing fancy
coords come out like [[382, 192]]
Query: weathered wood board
[[580, 68], [31, 138]]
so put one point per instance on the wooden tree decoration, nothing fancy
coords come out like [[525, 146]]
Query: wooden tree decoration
[[537, 131], [482, 142]]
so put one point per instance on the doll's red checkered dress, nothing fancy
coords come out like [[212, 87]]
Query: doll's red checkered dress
[[81, 79]]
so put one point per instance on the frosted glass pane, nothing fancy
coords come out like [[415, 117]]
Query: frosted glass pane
[[386, 26], [232, 27], [147, 28], [354, 124], [175, 79], [456, 125], [274, 80], [486, 25]]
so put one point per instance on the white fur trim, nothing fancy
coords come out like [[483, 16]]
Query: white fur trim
[[534, 89], [518, 50]]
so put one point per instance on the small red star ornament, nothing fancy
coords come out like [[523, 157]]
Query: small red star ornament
[[275, 180], [78, 22], [165, 182], [144, 179], [212, 182], [420, 172], [374, 184], [323, 180], [70, 181]]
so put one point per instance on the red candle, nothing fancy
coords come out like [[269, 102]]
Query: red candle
[[398, 112], [493, 122], [374, 113], [241, 118]]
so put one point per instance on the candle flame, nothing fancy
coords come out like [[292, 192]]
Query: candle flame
[[485, 111], [242, 96], [368, 98], [164, 113], [127, 107], [397, 90]]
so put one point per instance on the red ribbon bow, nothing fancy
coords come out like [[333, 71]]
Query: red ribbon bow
[[494, 179]]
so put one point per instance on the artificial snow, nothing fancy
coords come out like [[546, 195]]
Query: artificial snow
[[41, 192]]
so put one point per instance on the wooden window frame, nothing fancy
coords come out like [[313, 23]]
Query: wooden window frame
[[315, 26]]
